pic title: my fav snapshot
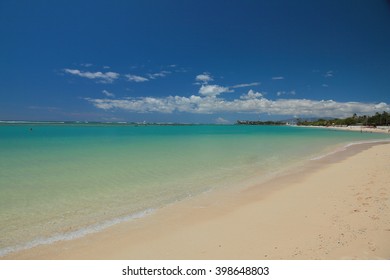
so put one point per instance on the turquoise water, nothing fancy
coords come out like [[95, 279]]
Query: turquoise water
[[64, 181]]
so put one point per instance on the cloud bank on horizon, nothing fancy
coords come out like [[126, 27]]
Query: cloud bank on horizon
[[209, 100]]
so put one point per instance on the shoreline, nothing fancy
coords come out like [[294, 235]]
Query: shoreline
[[257, 217], [357, 128]]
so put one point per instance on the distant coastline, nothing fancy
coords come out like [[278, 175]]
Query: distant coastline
[[97, 123]]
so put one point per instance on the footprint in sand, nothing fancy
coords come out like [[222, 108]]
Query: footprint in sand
[[362, 230], [372, 246]]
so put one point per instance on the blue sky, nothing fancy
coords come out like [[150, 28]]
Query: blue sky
[[193, 61]]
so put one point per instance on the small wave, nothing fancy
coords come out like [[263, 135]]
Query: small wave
[[345, 147], [367, 142], [74, 234]]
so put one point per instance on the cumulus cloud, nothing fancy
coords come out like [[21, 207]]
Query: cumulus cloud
[[252, 102], [135, 78], [251, 95], [107, 77], [204, 78], [213, 90]]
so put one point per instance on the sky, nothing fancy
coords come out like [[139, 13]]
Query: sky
[[198, 61]]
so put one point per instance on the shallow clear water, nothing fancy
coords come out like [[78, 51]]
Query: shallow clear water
[[63, 181]]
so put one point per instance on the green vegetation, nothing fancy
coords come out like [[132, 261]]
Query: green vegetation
[[376, 120], [260, 123]]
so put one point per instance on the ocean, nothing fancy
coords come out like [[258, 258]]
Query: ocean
[[63, 181]]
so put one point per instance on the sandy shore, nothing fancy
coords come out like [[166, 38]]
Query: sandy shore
[[358, 128], [337, 207]]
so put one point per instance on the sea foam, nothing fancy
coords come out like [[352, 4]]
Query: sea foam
[[75, 234]]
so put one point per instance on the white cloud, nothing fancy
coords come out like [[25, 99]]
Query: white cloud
[[135, 78], [107, 77], [107, 93], [252, 102], [213, 90], [221, 120], [278, 78], [382, 106], [160, 74], [204, 78], [245, 85], [141, 105], [153, 76], [325, 85], [251, 95]]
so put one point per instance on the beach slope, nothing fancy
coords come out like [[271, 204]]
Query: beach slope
[[337, 207]]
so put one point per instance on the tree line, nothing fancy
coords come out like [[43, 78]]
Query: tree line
[[260, 123], [379, 119]]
